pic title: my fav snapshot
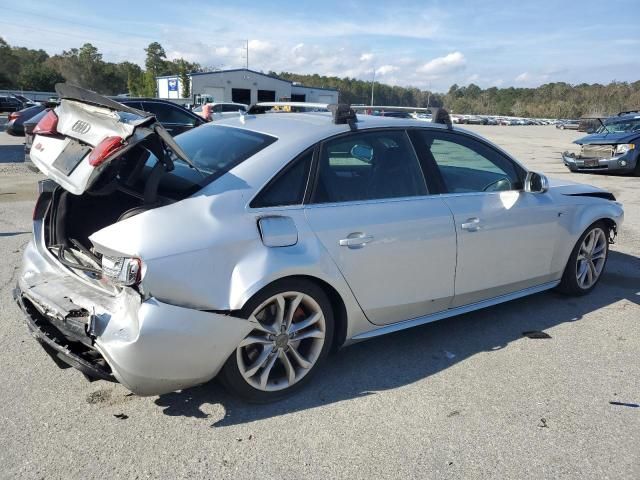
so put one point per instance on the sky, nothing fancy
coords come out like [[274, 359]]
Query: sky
[[425, 44]]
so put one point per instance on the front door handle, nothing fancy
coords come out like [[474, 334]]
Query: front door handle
[[471, 225], [356, 240]]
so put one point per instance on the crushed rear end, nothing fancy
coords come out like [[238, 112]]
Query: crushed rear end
[[86, 302]]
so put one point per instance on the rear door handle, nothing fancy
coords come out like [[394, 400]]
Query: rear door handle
[[471, 225], [356, 240]]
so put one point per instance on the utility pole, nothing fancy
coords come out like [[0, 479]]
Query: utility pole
[[373, 82], [247, 54]]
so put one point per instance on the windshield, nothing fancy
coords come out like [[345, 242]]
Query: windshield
[[631, 125], [214, 150]]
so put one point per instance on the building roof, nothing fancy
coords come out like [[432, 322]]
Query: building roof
[[194, 74], [293, 84]]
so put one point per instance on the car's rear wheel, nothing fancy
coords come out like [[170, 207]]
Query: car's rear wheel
[[587, 261], [292, 337]]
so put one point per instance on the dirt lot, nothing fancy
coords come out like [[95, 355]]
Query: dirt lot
[[468, 397]]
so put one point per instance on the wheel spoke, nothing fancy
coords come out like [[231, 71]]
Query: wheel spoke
[[293, 306], [264, 376], [299, 358], [315, 333], [261, 360], [589, 275], [268, 329], [281, 304], [582, 271], [307, 322], [594, 271], [255, 339], [291, 372]]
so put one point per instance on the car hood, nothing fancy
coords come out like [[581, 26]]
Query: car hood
[[607, 138], [567, 187]]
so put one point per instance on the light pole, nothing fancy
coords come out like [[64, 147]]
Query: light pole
[[373, 83]]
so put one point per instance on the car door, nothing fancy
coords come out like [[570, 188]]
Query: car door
[[506, 237], [173, 118], [392, 241]]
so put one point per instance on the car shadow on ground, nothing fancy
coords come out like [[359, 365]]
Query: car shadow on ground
[[405, 357], [11, 153]]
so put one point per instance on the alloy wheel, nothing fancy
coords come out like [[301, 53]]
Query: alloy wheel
[[591, 258], [287, 340]]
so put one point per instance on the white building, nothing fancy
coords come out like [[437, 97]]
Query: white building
[[243, 86]]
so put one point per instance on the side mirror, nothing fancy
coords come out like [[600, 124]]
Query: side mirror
[[590, 130], [536, 183]]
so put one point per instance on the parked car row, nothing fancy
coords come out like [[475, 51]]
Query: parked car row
[[499, 120]]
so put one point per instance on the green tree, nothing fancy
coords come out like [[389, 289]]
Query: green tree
[[184, 79], [10, 65]]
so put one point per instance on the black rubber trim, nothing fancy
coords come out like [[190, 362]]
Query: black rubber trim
[[58, 352], [604, 195]]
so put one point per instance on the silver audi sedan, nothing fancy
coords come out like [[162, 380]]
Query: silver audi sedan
[[249, 248]]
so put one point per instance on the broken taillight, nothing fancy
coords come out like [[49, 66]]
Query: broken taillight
[[48, 125], [105, 149], [125, 271]]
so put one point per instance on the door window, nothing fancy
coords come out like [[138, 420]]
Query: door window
[[368, 166], [467, 165]]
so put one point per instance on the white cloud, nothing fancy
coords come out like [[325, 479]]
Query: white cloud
[[366, 57], [386, 69], [436, 68], [531, 79]]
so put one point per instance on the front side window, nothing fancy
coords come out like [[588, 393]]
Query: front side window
[[466, 165], [368, 166]]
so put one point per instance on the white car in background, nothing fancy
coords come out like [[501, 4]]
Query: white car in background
[[248, 248]]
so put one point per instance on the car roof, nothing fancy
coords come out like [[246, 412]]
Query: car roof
[[314, 126]]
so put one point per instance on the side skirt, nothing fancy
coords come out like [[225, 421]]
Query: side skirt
[[414, 322]]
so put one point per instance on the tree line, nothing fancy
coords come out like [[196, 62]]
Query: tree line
[[27, 69], [551, 100]]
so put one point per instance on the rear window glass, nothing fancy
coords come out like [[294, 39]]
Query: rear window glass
[[214, 150]]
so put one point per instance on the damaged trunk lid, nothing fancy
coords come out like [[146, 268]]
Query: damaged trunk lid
[[75, 142]]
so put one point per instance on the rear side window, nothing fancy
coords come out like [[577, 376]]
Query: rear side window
[[368, 166], [288, 188]]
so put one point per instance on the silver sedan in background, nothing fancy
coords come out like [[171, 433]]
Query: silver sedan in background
[[248, 248]]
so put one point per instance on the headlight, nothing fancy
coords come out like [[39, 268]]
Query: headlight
[[122, 270], [624, 148]]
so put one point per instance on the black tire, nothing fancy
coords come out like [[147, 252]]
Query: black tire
[[569, 282], [230, 375]]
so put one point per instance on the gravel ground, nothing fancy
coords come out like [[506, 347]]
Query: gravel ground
[[468, 397]]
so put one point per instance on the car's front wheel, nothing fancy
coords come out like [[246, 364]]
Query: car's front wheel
[[587, 261], [292, 337]]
